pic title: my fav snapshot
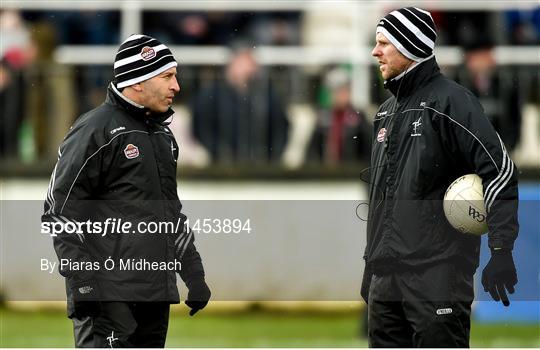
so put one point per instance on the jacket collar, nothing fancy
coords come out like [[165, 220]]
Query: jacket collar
[[135, 110], [412, 79]]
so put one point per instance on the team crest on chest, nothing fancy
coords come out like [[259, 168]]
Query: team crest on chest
[[381, 135], [131, 151]]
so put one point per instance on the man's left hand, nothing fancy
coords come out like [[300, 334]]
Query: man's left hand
[[198, 296], [500, 275]]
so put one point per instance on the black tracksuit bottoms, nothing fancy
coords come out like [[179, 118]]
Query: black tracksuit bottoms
[[124, 325], [423, 307]]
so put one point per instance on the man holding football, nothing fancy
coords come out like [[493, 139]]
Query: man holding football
[[118, 161], [418, 280]]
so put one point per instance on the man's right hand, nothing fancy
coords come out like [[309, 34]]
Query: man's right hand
[[86, 299]]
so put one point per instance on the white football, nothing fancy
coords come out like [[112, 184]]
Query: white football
[[464, 205]]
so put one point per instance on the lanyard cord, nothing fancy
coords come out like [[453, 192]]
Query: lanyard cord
[[390, 127]]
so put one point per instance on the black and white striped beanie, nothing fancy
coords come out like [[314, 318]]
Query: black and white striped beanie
[[140, 58], [411, 30]]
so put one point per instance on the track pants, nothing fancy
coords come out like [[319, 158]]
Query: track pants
[[122, 325], [427, 307]]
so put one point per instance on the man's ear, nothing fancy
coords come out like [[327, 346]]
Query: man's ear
[[137, 87]]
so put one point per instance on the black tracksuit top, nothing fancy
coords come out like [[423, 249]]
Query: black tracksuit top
[[430, 132], [119, 161]]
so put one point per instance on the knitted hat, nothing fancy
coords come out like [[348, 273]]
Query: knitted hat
[[411, 30], [140, 58]]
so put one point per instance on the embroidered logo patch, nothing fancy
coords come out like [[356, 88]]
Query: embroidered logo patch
[[381, 136], [111, 339], [147, 53], [444, 311], [113, 131], [131, 151], [86, 290], [416, 127]]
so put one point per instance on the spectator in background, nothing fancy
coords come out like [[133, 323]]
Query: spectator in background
[[240, 118], [178, 27], [455, 27], [17, 51], [224, 27], [280, 28], [524, 27], [79, 27], [496, 88], [343, 134], [195, 28]]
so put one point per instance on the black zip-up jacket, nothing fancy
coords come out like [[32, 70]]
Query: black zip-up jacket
[[118, 161], [428, 134]]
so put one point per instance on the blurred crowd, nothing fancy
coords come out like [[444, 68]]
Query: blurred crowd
[[243, 112]]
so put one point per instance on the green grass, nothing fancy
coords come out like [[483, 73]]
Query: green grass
[[249, 329]]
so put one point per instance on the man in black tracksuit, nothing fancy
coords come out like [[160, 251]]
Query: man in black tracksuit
[[118, 162], [418, 280]]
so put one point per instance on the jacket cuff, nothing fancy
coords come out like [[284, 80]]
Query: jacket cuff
[[194, 280], [500, 244], [500, 251]]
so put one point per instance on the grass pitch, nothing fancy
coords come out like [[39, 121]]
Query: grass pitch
[[244, 329]]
